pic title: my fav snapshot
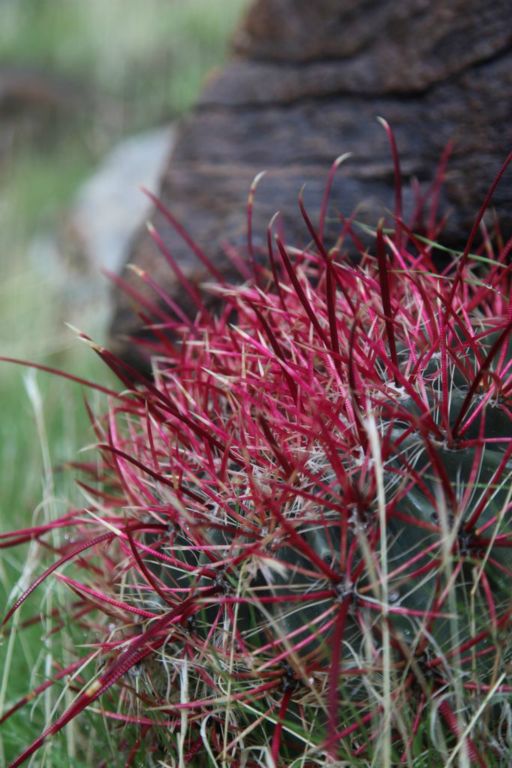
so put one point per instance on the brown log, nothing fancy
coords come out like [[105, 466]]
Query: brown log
[[306, 84]]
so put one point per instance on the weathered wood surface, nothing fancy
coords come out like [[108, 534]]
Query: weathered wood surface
[[306, 84]]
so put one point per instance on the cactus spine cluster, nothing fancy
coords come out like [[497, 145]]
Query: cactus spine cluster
[[296, 546]]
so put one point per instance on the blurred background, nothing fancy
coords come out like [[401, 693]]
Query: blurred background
[[89, 92]]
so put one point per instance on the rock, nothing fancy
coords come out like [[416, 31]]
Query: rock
[[306, 84], [110, 206], [95, 233]]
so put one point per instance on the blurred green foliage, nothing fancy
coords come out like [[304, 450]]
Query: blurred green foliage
[[151, 55], [127, 65]]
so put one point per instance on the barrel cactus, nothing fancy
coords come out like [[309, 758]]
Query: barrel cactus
[[296, 544]]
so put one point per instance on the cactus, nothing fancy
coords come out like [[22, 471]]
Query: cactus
[[296, 549]]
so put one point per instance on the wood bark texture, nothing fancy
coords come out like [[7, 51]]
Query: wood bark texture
[[305, 84]]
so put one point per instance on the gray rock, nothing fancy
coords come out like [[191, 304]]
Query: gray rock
[[110, 206], [96, 232]]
